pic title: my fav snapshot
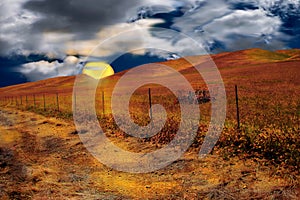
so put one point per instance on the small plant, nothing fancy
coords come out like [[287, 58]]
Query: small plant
[[279, 147]]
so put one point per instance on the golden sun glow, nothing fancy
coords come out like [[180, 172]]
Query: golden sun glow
[[98, 70]]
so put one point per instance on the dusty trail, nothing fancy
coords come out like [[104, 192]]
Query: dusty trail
[[40, 158]]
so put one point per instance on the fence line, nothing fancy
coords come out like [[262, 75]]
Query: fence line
[[42, 101]]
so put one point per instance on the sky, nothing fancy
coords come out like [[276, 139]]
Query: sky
[[41, 39]]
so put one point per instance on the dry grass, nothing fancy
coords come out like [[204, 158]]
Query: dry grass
[[54, 164], [260, 161]]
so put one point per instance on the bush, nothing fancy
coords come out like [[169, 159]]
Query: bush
[[280, 147]]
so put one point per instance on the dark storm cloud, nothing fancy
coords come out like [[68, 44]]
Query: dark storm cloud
[[243, 6], [290, 16], [77, 16], [228, 25], [3, 46]]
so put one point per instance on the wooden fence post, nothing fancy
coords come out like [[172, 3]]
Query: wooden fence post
[[44, 99], [103, 103], [57, 102], [150, 103], [34, 104], [237, 107]]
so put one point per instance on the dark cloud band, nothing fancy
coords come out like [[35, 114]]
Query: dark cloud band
[[84, 18]]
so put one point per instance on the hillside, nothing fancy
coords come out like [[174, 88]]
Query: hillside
[[268, 79], [224, 61], [41, 154]]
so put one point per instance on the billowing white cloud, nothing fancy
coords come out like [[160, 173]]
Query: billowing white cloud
[[211, 22], [15, 26], [45, 26], [243, 22], [271, 3], [43, 69], [204, 20], [216, 21], [166, 4], [136, 38]]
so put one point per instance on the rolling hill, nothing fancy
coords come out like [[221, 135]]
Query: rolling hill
[[42, 155], [244, 60]]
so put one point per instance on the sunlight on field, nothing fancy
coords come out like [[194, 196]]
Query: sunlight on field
[[137, 186], [8, 136]]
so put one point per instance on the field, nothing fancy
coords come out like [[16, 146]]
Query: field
[[41, 154]]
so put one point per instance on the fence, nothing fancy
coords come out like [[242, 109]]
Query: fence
[[257, 108], [36, 101], [60, 100], [63, 102]]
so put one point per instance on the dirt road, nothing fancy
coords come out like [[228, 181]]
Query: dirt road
[[41, 158]]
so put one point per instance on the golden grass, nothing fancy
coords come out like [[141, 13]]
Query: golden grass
[[242, 164]]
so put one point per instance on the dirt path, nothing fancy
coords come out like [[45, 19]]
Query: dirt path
[[40, 158]]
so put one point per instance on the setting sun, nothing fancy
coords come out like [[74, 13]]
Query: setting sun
[[98, 70]]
